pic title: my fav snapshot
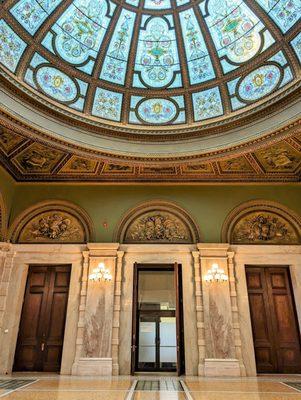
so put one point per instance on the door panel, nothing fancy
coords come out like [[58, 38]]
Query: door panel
[[41, 331], [274, 323]]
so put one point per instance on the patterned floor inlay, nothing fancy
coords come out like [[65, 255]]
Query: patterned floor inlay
[[159, 385], [294, 385], [13, 384]]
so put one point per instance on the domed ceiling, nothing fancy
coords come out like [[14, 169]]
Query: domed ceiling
[[159, 65]]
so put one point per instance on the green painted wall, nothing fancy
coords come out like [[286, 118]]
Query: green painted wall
[[7, 189], [208, 204]]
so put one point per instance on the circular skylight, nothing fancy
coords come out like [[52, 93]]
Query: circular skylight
[[152, 64]]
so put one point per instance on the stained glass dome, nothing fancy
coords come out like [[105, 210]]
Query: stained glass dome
[[152, 64]]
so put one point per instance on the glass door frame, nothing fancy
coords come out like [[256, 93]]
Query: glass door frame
[[178, 313]]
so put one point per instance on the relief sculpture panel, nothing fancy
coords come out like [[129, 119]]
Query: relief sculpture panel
[[158, 226], [262, 222], [53, 226], [265, 227]]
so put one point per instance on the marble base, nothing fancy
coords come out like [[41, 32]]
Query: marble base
[[221, 367], [92, 366]]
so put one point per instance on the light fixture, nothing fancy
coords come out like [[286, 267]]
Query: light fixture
[[100, 273], [216, 274]]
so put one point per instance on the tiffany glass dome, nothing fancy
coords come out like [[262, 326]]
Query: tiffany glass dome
[[162, 65]]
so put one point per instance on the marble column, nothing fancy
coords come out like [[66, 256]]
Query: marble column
[[97, 316], [220, 353]]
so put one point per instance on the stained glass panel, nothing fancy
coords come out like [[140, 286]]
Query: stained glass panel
[[296, 43], [235, 30], [157, 4], [115, 64], [198, 60], [284, 12], [32, 13], [80, 30], [207, 104], [107, 104], [11, 47], [259, 82], [157, 59]]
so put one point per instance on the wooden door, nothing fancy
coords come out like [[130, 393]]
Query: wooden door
[[274, 322], [41, 331]]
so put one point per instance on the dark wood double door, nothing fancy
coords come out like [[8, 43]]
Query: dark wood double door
[[158, 333], [41, 331], [274, 322]]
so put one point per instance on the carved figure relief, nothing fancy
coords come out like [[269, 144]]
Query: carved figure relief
[[158, 170], [239, 164], [280, 157], [53, 226], [197, 168], [264, 227], [9, 140], [118, 168], [79, 164], [38, 158], [158, 227]]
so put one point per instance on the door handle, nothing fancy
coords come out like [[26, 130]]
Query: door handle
[[42, 346]]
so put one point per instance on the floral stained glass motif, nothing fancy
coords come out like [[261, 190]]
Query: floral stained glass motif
[[157, 55], [259, 82], [296, 43], [235, 29], [107, 104], [115, 64], [80, 30], [11, 47], [32, 13], [56, 84], [157, 111], [207, 104], [157, 4], [198, 60], [284, 12]]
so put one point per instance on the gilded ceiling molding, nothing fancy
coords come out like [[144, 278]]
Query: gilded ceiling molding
[[10, 122], [262, 222], [157, 222], [52, 221]]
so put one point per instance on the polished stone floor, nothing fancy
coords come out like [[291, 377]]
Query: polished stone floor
[[54, 387]]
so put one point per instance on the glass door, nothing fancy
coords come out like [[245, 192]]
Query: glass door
[[156, 334]]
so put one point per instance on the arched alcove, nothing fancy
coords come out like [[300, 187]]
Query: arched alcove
[[262, 222], [52, 221], [157, 222]]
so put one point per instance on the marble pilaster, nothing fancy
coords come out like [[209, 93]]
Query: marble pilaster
[[220, 355], [97, 336]]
